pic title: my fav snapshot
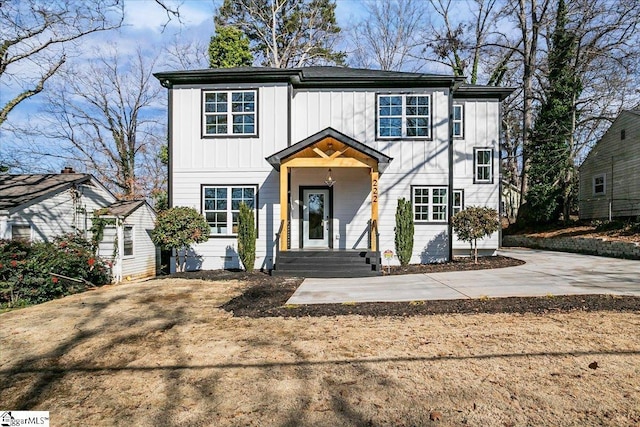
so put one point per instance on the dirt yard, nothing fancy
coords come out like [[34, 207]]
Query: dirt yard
[[164, 352]]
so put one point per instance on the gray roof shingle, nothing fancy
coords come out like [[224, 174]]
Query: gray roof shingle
[[16, 190]]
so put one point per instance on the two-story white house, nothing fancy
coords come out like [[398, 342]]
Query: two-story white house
[[322, 154]]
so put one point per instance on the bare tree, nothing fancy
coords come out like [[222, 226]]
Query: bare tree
[[286, 33], [387, 36], [106, 118], [186, 55], [34, 39]]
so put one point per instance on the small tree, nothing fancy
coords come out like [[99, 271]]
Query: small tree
[[246, 237], [177, 229], [473, 223], [404, 231]]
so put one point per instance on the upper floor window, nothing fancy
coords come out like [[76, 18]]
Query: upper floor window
[[599, 185], [221, 207], [483, 165], [229, 112], [429, 204], [404, 116], [458, 121]]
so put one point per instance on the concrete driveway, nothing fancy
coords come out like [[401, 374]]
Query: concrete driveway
[[545, 273]]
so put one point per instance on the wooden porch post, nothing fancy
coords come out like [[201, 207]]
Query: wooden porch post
[[374, 205], [284, 205]]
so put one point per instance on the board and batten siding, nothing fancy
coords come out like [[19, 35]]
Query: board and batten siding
[[618, 160], [57, 214], [198, 161], [481, 130], [193, 152]]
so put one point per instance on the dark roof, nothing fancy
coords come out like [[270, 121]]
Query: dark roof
[[16, 190], [122, 208], [329, 77], [477, 91], [382, 159], [308, 77]]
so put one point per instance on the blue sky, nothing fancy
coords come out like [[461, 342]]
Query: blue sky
[[146, 26]]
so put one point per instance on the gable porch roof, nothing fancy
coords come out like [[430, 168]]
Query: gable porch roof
[[326, 137]]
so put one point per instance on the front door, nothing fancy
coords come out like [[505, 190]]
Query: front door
[[316, 218]]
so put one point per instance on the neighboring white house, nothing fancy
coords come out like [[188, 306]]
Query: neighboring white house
[[610, 175], [324, 153], [40, 207]]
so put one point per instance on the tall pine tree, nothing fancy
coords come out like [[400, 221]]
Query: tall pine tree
[[551, 165], [286, 33]]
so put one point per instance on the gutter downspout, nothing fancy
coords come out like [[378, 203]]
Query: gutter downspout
[[452, 87]]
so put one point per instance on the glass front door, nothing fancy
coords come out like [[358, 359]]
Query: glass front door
[[315, 220]]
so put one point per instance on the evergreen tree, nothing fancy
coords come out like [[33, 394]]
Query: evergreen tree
[[229, 48], [286, 33], [404, 231], [549, 149]]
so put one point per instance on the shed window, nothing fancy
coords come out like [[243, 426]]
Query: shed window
[[20, 232], [128, 240]]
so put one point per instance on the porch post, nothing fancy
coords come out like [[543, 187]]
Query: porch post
[[284, 205], [374, 205]]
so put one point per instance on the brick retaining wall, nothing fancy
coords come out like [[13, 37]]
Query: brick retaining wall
[[615, 249]]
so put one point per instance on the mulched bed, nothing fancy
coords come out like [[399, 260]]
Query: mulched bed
[[266, 296]]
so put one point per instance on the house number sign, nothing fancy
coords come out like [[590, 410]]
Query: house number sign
[[374, 191]]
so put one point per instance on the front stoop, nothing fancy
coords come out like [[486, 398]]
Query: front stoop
[[328, 263]]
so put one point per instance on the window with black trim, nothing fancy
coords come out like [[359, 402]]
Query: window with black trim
[[429, 204], [221, 206], [600, 184], [482, 165], [128, 240], [229, 112], [404, 116], [458, 202], [458, 121]]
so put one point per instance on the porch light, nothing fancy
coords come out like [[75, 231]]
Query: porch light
[[329, 181]]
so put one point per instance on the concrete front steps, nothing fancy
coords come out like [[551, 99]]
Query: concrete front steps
[[328, 263]]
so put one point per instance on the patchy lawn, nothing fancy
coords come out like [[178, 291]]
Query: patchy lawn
[[165, 352]]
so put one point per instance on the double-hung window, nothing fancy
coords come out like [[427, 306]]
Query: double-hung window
[[483, 165], [128, 240], [221, 207], [404, 116], [429, 204], [229, 112], [599, 185], [458, 121]]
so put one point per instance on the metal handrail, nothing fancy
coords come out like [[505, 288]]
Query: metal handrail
[[278, 236], [376, 233]]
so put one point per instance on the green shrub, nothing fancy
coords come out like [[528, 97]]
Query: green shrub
[[177, 229], [246, 237], [404, 231], [31, 273], [473, 223]]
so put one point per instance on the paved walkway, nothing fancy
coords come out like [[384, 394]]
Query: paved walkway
[[545, 273]]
